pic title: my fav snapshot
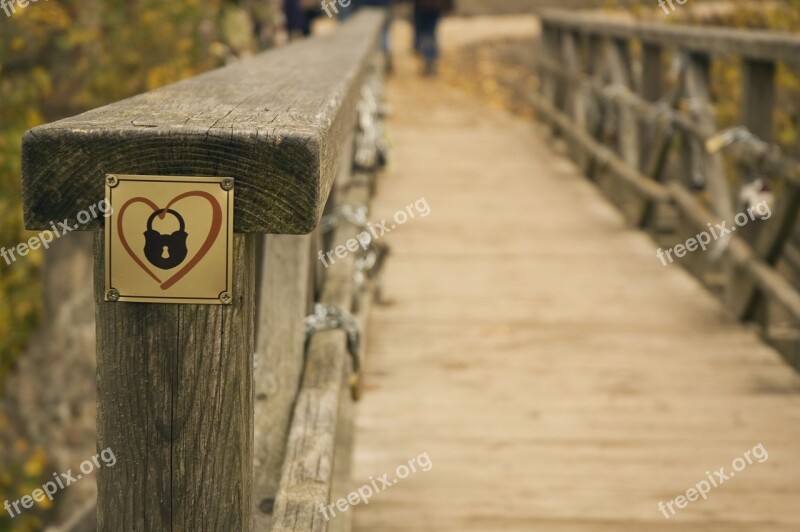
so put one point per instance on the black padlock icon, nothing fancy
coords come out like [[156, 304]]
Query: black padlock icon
[[165, 251]]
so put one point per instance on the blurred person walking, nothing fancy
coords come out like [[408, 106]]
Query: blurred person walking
[[295, 18], [299, 16], [311, 10], [427, 14]]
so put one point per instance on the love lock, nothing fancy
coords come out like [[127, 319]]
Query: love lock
[[165, 251]]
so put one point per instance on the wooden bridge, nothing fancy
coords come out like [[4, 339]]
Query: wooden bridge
[[557, 374]]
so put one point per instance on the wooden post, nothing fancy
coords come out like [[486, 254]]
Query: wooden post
[[549, 50], [652, 72], [575, 105], [758, 97], [596, 69], [175, 404], [758, 100], [698, 91], [619, 64], [175, 382]]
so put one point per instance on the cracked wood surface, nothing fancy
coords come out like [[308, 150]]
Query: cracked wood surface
[[276, 123]]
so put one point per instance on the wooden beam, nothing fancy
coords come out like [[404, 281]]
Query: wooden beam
[[698, 90], [286, 286], [753, 44], [619, 62], [757, 108], [769, 156], [175, 404], [320, 417], [276, 123], [758, 97], [575, 104], [651, 86]]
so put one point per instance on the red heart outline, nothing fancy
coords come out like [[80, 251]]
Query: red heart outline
[[213, 233]]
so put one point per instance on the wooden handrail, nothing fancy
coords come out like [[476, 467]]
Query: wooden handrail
[[752, 44], [586, 63], [176, 386], [278, 122]]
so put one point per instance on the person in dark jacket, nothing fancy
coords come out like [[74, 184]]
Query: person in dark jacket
[[427, 14], [295, 17]]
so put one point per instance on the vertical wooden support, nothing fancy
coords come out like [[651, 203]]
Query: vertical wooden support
[[660, 134], [286, 290], [698, 90], [758, 97], [596, 68], [652, 73], [549, 85], [175, 405], [756, 114], [575, 104], [619, 61], [619, 64], [758, 101]]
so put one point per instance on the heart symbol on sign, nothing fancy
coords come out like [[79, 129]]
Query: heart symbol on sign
[[213, 234]]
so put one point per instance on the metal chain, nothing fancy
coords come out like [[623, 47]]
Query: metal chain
[[332, 317]]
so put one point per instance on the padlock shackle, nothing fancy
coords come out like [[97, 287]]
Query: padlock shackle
[[169, 211]]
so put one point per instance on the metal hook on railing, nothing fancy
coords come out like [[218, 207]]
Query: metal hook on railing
[[331, 317]]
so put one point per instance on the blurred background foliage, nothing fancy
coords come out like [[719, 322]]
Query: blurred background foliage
[[62, 57], [59, 58]]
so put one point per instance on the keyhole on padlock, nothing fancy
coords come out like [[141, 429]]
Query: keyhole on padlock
[[165, 253]]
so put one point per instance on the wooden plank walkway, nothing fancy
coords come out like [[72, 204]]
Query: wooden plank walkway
[[558, 376]]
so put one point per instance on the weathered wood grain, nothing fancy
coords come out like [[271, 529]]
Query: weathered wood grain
[[276, 123], [279, 358], [175, 404]]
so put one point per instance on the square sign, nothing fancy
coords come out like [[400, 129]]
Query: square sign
[[169, 239]]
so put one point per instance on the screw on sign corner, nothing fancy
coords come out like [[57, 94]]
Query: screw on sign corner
[[227, 183], [112, 181], [226, 298], [112, 295]]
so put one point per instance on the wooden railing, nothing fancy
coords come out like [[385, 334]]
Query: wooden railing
[[227, 417], [648, 132]]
